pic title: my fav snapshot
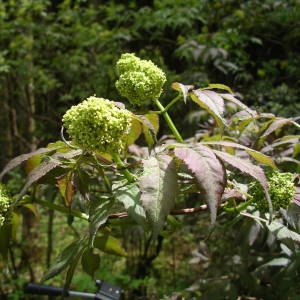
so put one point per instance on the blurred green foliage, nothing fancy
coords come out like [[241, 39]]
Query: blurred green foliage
[[55, 53]]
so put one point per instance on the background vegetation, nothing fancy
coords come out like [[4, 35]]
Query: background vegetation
[[53, 54]]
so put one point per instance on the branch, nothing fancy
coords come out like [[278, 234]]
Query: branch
[[186, 211], [183, 211]]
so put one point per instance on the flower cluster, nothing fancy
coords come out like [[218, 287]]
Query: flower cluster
[[98, 125], [5, 201], [140, 80], [281, 190]]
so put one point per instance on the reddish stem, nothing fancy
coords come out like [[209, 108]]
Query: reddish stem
[[183, 211]]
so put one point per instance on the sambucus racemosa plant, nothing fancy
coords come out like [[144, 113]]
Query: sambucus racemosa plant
[[102, 174]]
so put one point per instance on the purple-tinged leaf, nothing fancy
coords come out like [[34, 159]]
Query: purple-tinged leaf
[[232, 194], [286, 141], [282, 232], [219, 87], [208, 104], [254, 231], [21, 158], [296, 197], [215, 97], [184, 89], [159, 188], [45, 167], [282, 159], [231, 98], [248, 168], [275, 125], [276, 262], [258, 156], [208, 171]]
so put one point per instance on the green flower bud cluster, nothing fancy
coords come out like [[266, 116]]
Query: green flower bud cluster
[[99, 125], [5, 201], [140, 80], [281, 190]]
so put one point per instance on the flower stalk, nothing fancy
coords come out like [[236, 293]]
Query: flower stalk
[[121, 166], [169, 121]]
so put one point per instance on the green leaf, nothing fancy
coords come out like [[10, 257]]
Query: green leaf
[[21, 158], [32, 162], [129, 195], [72, 267], [109, 244], [249, 168], [135, 131], [90, 262], [99, 213], [159, 188], [215, 108], [262, 158], [184, 89], [258, 156], [65, 258], [150, 128], [219, 87], [208, 171]]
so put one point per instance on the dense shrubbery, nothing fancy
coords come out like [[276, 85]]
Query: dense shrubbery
[[55, 53]]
